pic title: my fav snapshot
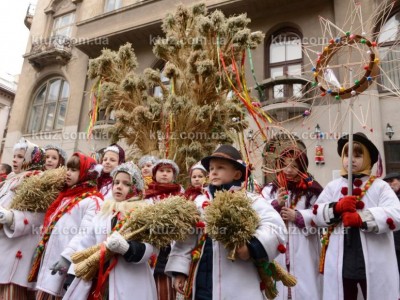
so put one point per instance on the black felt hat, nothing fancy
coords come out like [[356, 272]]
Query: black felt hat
[[362, 139], [230, 153], [393, 175]]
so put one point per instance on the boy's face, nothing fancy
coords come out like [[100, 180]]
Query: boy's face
[[52, 159], [72, 176], [110, 161], [165, 175], [121, 186], [357, 162], [18, 159], [222, 172], [198, 178], [147, 169]]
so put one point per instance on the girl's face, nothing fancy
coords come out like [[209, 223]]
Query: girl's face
[[290, 169], [165, 175], [357, 162], [72, 177], [198, 178], [122, 185], [18, 159], [52, 159], [110, 161], [147, 169]]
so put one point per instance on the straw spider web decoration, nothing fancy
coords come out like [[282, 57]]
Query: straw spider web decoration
[[346, 62]]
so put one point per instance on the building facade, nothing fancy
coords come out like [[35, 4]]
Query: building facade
[[52, 102], [8, 87]]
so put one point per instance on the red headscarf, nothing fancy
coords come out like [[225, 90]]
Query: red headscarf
[[86, 183]]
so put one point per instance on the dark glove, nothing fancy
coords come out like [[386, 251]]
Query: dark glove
[[68, 281]]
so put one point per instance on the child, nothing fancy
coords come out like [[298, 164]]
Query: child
[[113, 156], [146, 164], [216, 277], [131, 277], [165, 172], [18, 235], [303, 246], [198, 178], [5, 169], [71, 213], [365, 254], [55, 157]]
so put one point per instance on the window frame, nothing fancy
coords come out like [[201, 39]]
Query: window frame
[[45, 104], [395, 11], [117, 5], [69, 26], [285, 63]]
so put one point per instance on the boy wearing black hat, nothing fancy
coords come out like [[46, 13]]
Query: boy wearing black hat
[[358, 248], [216, 277]]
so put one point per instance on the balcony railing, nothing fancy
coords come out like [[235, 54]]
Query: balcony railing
[[30, 12], [285, 96], [54, 50]]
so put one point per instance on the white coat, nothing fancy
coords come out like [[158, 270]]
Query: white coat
[[304, 250], [378, 248], [61, 242], [106, 191], [236, 280], [126, 280], [18, 242]]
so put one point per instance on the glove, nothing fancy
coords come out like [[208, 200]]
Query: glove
[[346, 204], [116, 243], [352, 219], [61, 266], [68, 281], [6, 216]]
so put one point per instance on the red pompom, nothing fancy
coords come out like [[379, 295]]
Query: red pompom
[[200, 224], [392, 227], [205, 204], [281, 248], [344, 190], [315, 206], [262, 286], [26, 222], [357, 191], [357, 182], [389, 221], [19, 254], [360, 205], [313, 224]]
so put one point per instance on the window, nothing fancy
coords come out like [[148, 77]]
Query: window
[[392, 156], [62, 26], [389, 52], [285, 57], [49, 106], [111, 5]]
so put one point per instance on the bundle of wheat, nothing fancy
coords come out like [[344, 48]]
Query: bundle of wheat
[[172, 219]]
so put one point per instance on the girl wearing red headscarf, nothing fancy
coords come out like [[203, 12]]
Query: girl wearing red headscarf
[[69, 216], [293, 195]]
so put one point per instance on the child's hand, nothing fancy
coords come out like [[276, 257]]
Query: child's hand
[[243, 252], [179, 283], [288, 214], [281, 194]]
